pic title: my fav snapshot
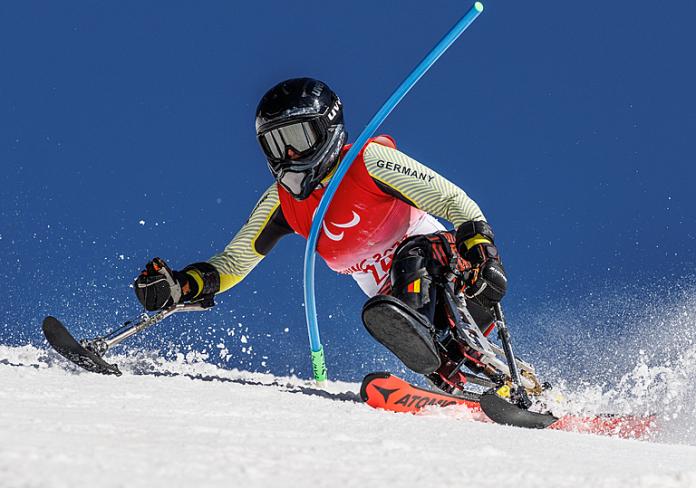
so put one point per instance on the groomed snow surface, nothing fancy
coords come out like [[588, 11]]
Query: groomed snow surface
[[180, 424]]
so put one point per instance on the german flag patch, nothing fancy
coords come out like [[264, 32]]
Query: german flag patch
[[414, 286]]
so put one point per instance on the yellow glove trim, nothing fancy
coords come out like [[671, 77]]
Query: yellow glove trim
[[477, 239], [197, 278]]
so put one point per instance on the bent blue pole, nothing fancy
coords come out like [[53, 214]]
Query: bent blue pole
[[318, 359]]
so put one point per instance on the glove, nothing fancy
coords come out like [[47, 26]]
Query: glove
[[487, 284], [157, 286], [475, 242]]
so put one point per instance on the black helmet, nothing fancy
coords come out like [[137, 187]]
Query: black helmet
[[299, 124]]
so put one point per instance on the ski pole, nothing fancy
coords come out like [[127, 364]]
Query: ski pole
[[317, 350], [518, 394]]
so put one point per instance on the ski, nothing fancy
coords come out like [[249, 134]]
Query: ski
[[66, 345], [87, 353], [386, 391], [501, 411], [389, 392]]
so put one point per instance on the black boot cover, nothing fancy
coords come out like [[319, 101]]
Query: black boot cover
[[403, 331]]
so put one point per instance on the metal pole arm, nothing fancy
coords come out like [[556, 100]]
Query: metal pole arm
[[145, 322], [519, 394]]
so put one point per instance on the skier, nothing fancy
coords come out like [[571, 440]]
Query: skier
[[381, 229]]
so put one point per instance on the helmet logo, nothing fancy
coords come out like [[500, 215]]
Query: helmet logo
[[337, 237], [317, 89], [334, 110]]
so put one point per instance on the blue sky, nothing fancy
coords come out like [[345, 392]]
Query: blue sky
[[127, 132]]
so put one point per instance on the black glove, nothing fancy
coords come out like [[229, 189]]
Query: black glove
[[487, 284], [157, 286], [475, 242]]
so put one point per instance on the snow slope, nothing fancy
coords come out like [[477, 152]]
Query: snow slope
[[180, 424]]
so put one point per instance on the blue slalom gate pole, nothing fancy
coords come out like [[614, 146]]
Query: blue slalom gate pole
[[318, 358]]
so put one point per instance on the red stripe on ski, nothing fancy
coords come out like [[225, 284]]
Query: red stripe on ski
[[624, 426]]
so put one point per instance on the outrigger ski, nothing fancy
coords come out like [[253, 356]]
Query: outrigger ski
[[66, 345], [88, 353], [501, 411]]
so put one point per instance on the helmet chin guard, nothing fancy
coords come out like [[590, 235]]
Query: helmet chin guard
[[305, 176]]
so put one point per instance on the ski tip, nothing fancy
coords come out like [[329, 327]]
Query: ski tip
[[478, 6], [65, 344], [50, 324], [368, 379]]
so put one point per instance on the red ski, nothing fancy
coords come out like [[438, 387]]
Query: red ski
[[388, 392]]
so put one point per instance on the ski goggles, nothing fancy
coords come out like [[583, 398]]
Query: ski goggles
[[292, 141]]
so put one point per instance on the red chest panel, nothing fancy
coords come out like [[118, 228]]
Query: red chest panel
[[360, 219]]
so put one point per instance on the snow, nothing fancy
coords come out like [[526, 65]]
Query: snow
[[174, 423]]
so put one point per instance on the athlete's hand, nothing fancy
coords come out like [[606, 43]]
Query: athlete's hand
[[487, 283], [157, 286], [475, 242]]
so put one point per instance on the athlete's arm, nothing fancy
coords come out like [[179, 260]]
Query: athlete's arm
[[405, 178], [265, 226]]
